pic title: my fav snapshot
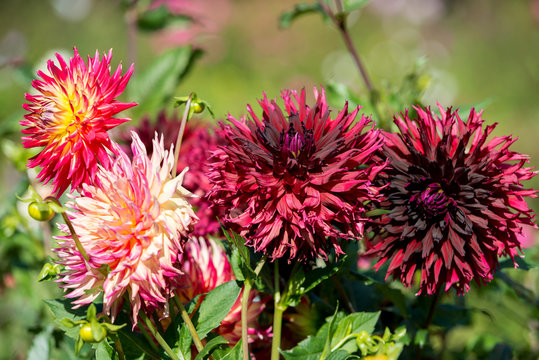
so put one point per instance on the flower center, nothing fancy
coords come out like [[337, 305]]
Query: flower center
[[295, 143], [432, 201]]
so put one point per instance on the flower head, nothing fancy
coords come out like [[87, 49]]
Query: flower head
[[198, 142], [133, 227], [295, 182], [455, 201], [70, 117], [206, 266]]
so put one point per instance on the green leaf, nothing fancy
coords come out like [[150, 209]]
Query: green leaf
[[351, 5], [287, 18], [61, 308], [153, 19], [338, 355], [40, 349], [331, 334], [353, 324], [210, 346], [377, 212], [215, 306], [153, 87], [235, 353], [134, 344], [522, 264], [104, 351], [300, 284], [421, 337]]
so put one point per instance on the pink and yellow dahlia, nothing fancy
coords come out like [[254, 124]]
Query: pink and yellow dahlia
[[69, 119], [133, 227], [294, 182], [198, 142], [206, 266]]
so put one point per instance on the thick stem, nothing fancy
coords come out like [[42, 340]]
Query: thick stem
[[159, 338], [189, 323], [244, 324], [185, 118], [244, 308], [277, 314]]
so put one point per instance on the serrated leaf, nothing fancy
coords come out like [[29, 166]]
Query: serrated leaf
[[104, 351], [215, 306], [153, 87], [336, 328], [353, 324], [210, 346], [299, 10], [61, 308]]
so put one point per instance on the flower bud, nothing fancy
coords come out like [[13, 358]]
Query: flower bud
[[40, 211]]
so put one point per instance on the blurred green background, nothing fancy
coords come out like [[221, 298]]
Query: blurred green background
[[477, 52]]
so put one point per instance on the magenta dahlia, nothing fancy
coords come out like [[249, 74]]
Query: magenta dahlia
[[295, 182], [455, 201], [70, 118]]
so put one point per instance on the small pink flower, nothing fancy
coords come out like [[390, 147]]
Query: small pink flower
[[70, 119], [133, 227]]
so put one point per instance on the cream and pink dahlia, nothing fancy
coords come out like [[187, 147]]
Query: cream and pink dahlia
[[198, 142], [455, 201], [70, 116], [294, 182], [206, 266], [133, 226]]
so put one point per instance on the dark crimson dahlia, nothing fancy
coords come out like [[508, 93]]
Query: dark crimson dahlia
[[295, 182], [198, 142], [455, 201]]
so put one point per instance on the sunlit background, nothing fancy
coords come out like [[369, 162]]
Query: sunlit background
[[481, 53]]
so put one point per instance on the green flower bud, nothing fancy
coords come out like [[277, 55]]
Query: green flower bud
[[40, 211]]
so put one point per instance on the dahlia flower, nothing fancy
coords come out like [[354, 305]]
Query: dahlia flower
[[133, 228], [295, 181], [206, 266], [70, 117], [455, 201], [198, 141]]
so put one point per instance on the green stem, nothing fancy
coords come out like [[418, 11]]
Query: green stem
[[278, 311], [159, 338], [244, 307], [148, 338], [185, 118], [71, 229], [119, 349], [189, 323]]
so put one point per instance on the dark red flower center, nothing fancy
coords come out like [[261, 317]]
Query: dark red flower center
[[294, 143], [431, 202]]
